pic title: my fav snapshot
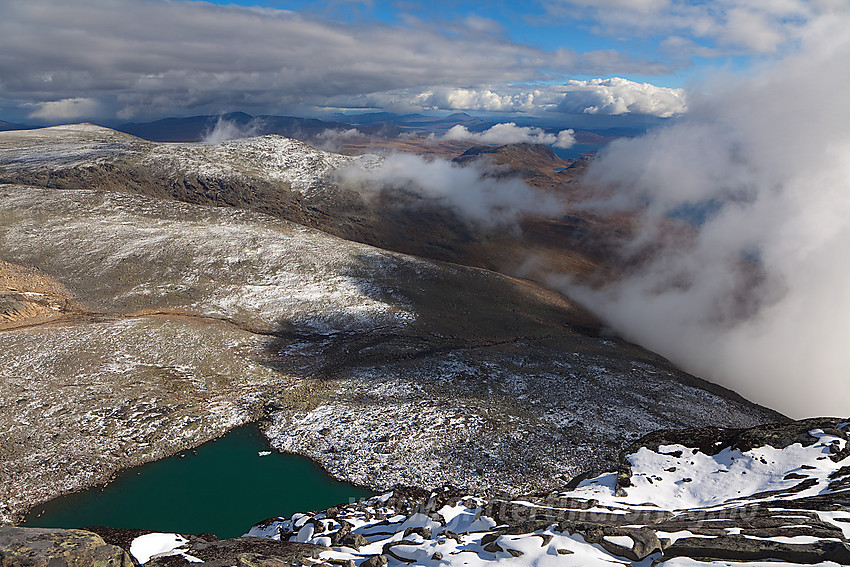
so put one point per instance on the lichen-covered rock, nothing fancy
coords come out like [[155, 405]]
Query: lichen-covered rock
[[243, 551], [42, 547], [374, 561]]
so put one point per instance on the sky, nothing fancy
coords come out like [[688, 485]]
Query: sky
[[137, 60]]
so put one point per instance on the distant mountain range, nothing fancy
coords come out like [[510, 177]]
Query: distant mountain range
[[196, 128], [435, 124], [374, 125], [6, 126]]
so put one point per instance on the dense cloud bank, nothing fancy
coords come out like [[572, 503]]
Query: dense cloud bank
[[759, 297]]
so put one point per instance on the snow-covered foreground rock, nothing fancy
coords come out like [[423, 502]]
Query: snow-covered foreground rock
[[773, 495]]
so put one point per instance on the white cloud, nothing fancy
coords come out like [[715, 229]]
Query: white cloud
[[597, 96], [472, 99], [756, 297], [338, 134], [621, 96], [510, 133], [331, 140], [472, 191], [229, 130], [65, 109]]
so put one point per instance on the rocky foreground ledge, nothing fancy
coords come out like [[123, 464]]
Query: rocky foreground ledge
[[770, 495]]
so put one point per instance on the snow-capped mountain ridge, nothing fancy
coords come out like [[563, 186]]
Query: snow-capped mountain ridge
[[64, 147], [271, 158]]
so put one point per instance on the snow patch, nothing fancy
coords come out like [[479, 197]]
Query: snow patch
[[144, 547]]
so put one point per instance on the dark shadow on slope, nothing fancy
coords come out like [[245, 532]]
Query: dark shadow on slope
[[470, 313], [439, 308]]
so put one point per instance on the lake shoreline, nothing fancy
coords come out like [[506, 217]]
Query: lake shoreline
[[234, 469]]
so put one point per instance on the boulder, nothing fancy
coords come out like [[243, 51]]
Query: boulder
[[374, 561], [243, 551], [740, 548], [354, 540], [47, 547]]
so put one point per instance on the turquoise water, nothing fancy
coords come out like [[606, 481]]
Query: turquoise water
[[576, 151], [223, 488]]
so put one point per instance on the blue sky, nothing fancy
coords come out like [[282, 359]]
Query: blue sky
[[124, 60]]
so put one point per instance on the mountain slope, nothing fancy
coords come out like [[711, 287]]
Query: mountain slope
[[184, 321]]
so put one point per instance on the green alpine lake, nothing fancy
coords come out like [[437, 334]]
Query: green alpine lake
[[222, 487]]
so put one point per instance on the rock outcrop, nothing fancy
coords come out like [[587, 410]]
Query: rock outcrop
[[245, 552], [40, 547], [30, 297]]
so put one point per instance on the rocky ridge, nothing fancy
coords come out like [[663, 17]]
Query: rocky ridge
[[82, 148]]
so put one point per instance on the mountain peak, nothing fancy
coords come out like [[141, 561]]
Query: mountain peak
[[514, 150]]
